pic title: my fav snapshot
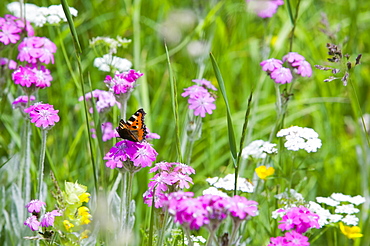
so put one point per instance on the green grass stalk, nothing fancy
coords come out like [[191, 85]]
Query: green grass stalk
[[44, 133]]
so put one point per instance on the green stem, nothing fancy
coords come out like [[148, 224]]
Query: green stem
[[294, 23], [128, 201], [236, 225], [163, 229], [41, 163], [123, 209]]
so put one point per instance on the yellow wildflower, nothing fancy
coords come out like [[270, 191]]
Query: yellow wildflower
[[84, 197], [263, 172], [84, 216], [85, 234], [350, 231], [68, 225]]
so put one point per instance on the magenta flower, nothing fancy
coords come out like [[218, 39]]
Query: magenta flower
[[35, 206], [9, 63], [32, 76], [21, 101], [282, 75], [293, 57], [49, 217], [122, 83], [151, 135], [32, 223], [202, 104], [139, 154], [300, 219], [104, 100], [194, 91], [296, 239], [36, 49], [271, 64], [217, 209], [108, 131], [171, 176], [43, 115], [205, 83], [241, 208], [278, 241], [9, 33], [303, 68]]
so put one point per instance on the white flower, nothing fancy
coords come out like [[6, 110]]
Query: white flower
[[324, 214], [214, 191], [300, 138], [109, 62], [278, 213], [110, 43], [357, 200], [340, 197], [228, 183], [350, 220], [347, 209], [41, 15], [334, 218], [258, 149], [327, 200]]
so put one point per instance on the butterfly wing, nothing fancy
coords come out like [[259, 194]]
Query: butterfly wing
[[134, 129]]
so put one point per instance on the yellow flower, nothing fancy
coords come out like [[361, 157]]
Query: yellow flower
[[84, 216], [263, 172], [350, 231], [84, 234], [84, 197], [68, 225]]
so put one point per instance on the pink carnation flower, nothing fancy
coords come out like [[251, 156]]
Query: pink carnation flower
[[282, 75], [21, 101], [49, 217], [36, 49], [122, 83], [43, 115], [35, 206], [32, 223], [271, 64]]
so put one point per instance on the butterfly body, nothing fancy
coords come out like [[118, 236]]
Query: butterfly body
[[134, 129]]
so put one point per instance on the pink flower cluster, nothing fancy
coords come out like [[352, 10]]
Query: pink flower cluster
[[11, 27], [30, 75], [266, 8], [200, 99], [108, 131], [130, 155], [36, 49], [208, 210], [171, 176], [9, 63], [104, 100], [21, 101], [282, 75], [47, 220], [122, 83], [43, 115], [299, 220]]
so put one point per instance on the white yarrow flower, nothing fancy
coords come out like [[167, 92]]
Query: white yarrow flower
[[259, 149], [327, 200], [346, 209], [214, 191], [228, 183], [300, 138], [341, 197], [350, 220], [357, 200], [109, 63]]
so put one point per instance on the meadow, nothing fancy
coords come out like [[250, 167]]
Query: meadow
[[92, 182]]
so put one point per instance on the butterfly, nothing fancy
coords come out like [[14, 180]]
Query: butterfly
[[134, 129]]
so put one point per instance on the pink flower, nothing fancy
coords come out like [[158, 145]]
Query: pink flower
[[36, 49], [303, 68], [32, 76], [21, 101], [202, 104], [278, 241], [9, 33], [104, 100], [300, 219], [35, 206], [271, 64], [282, 75], [194, 91], [32, 223], [43, 115], [140, 154], [296, 239], [241, 208], [205, 83], [9, 63], [49, 217], [265, 9], [293, 57], [122, 83]]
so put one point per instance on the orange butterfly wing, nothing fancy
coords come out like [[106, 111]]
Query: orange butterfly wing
[[134, 129]]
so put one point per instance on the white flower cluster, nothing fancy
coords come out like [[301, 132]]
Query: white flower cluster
[[111, 43], [300, 138], [259, 149], [228, 182], [41, 15], [342, 212], [214, 191], [112, 63]]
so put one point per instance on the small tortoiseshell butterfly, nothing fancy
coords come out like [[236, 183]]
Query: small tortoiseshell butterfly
[[134, 129]]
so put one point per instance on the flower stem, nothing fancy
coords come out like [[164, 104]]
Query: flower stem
[[41, 163], [163, 229], [236, 225], [128, 201], [123, 209], [27, 160]]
